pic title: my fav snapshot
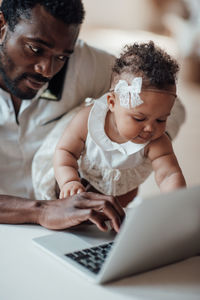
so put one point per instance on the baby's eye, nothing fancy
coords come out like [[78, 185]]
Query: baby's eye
[[161, 121], [138, 119]]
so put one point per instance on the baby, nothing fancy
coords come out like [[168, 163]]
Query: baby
[[117, 141]]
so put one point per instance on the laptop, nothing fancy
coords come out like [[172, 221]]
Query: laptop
[[156, 231]]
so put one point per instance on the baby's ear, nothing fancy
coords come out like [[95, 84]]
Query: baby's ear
[[111, 101]]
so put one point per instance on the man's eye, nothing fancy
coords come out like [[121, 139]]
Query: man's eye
[[34, 49], [62, 57]]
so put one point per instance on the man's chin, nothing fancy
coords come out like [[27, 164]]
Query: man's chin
[[25, 95]]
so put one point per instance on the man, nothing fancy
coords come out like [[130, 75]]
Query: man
[[44, 72]]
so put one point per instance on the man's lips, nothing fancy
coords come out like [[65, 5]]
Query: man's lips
[[34, 84]]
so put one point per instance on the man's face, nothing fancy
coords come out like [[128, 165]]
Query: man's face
[[36, 50]]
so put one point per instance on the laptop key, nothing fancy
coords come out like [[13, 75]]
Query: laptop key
[[91, 258]]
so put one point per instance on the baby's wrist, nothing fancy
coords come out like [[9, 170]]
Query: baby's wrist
[[72, 182]]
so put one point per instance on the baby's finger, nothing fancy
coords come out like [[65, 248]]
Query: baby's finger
[[72, 192], [62, 195], [66, 193]]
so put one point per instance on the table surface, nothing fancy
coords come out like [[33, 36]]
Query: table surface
[[26, 273]]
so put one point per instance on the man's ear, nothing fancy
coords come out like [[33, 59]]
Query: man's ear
[[3, 27], [111, 101]]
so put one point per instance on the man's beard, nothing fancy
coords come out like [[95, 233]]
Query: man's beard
[[12, 84]]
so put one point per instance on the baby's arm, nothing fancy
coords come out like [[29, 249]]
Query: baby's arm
[[68, 151], [168, 174]]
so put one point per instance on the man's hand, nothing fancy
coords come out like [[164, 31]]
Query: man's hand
[[71, 211]]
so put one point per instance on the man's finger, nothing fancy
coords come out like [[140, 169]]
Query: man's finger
[[93, 216], [97, 218], [100, 197]]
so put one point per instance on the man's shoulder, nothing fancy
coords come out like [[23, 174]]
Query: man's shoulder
[[84, 46], [90, 53], [88, 73]]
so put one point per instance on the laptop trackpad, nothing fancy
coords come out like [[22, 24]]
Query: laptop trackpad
[[92, 235]]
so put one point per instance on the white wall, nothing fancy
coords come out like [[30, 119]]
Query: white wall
[[123, 14]]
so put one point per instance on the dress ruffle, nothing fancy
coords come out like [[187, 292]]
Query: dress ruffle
[[96, 124]]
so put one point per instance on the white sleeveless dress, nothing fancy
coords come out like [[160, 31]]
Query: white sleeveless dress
[[113, 169]]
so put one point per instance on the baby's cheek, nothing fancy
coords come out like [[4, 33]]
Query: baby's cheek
[[161, 130], [164, 127]]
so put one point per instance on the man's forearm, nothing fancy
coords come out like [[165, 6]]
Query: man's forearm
[[62, 213], [15, 210]]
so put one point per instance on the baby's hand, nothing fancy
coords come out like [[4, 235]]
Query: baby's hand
[[71, 188]]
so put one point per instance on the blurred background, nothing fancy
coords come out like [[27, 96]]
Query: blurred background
[[174, 25]]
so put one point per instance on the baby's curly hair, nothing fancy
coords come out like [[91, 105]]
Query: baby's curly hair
[[150, 62]]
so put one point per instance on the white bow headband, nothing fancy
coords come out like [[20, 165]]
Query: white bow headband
[[125, 91]]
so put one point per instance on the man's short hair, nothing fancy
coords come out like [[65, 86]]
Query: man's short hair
[[68, 11]]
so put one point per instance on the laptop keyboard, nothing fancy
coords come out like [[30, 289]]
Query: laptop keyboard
[[91, 258]]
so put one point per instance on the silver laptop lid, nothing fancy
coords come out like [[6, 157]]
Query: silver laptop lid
[[157, 231]]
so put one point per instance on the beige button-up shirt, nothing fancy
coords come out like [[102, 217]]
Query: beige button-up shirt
[[88, 75]]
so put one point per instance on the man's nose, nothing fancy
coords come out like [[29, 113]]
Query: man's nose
[[45, 67]]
